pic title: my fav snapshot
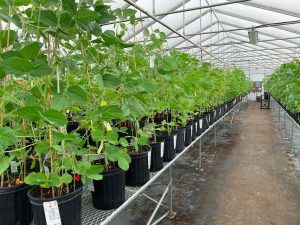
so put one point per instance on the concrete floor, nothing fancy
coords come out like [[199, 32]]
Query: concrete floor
[[249, 179]]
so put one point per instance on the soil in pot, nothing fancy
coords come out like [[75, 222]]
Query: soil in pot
[[157, 156], [139, 169], [109, 193], [170, 145], [15, 207], [69, 206]]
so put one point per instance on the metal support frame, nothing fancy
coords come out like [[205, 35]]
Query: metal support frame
[[293, 123], [166, 26], [168, 166]]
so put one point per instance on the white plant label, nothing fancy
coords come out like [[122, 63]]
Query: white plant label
[[196, 128], [149, 160], [46, 169], [152, 61], [208, 117], [175, 141], [200, 122], [91, 187], [162, 149], [13, 167], [52, 213], [184, 135], [192, 130]]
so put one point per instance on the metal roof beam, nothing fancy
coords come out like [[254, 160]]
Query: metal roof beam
[[261, 32], [165, 25], [253, 20], [270, 8]]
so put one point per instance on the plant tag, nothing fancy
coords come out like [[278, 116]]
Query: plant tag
[[107, 126], [149, 160], [91, 187], [13, 167], [152, 61], [46, 169], [196, 128], [162, 149], [184, 135], [200, 122], [175, 141], [52, 213], [192, 130], [209, 117]]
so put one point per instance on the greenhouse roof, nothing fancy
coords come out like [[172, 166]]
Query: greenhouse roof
[[221, 28]]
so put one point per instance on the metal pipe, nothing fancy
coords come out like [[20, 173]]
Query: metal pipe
[[181, 11], [167, 26], [159, 203]]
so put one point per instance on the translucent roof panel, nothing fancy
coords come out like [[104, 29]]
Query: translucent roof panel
[[224, 30]]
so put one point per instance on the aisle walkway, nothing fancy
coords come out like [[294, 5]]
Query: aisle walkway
[[252, 181], [247, 180]]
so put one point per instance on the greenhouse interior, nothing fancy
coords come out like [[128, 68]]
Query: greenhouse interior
[[145, 112]]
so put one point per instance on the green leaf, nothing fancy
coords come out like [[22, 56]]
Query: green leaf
[[67, 164], [112, 137], [7, 137], [4, 164], [15, 66], [66, 21], [123, 164], [59, 102], [55, 117], [30, 50], [142, 140], [42, 148], [94, 172], [77, 93], [107, 113], [66, 178], [54, 180], [123, 142], [58, 148], [29, 113], [40, 69], [98, 135], [69, 6], [20, 2], [86, 16], [110, 81], [4, 36], [48, 18], [36, 178]]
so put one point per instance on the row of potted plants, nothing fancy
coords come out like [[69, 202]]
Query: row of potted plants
[[79, 106], [284, 86]]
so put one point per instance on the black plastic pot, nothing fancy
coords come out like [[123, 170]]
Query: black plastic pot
[[188, 134], [194, 131], [180, 140], [15, 206], [157, 155], [139, 169], [110, 191], [170, 146], [69, 207], [212, 117]]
